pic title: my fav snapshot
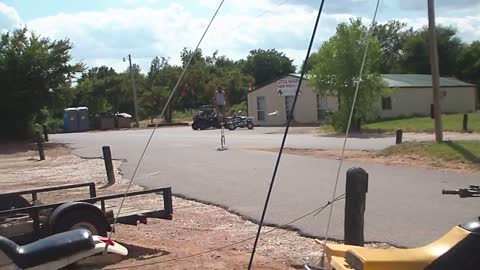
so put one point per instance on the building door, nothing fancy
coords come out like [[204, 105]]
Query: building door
[[289, 105]]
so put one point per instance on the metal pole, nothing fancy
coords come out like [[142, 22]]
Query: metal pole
[[134, 91], [435, 72]]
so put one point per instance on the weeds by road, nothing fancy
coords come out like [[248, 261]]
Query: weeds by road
[[467, 152], [451, 122]]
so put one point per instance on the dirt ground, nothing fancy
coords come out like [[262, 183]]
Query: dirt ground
[[200, 236], [378, 158]]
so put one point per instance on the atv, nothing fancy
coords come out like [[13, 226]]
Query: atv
[[237, 120], [205, 118]]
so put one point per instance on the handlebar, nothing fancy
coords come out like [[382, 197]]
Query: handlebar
[[471, 191], [450, 192]]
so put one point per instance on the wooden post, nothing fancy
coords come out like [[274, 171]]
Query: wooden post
[[399, 134], [355, 197], [107, 157], [465, 122], [45, 132], [437, 113], [432, 110], [41, 151]]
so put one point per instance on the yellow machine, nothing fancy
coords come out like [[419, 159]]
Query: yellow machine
[[459, 249]]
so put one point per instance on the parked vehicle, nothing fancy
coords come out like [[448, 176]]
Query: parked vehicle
[[24, 222], [205, 118], [239, 121], [457, 249], [56, 251]]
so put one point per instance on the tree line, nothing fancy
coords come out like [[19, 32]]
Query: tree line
[[39, 78]]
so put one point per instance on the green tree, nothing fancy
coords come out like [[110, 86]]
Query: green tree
[[158, 84], [469, 63], [337, 64], [392, 37], [267, 65], [416, 51], [36, 73]]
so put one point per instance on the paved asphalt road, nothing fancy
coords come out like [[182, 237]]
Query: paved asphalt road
[[404, 205]]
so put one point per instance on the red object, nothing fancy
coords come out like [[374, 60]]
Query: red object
[[106, 241], [183, 93]]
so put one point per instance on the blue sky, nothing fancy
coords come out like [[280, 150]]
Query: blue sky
[[104, 31]]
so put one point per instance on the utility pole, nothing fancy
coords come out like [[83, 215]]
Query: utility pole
[[437, 111], [134, 91]]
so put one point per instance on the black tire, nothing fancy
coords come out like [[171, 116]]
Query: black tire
[[8, 202], [194, 126], [81, 219], [250, 126], [231, 126]]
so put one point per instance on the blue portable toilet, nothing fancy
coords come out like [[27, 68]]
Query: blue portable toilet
[[83, 119], [70, 122]]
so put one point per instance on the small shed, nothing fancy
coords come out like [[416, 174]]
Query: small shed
[[412, 94], [268, 104]]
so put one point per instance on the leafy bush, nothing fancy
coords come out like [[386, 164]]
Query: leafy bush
[[238, 107], [54, 125]]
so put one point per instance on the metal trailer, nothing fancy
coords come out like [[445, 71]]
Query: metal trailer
[[25, 222]]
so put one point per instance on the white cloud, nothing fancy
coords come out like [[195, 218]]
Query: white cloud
[[8, 17], [106, 36], [467, 27], [102, 36]]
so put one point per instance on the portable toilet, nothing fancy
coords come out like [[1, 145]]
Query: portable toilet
[[70, 122], [83, 119]]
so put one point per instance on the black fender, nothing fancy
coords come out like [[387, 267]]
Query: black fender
[[72, 206]]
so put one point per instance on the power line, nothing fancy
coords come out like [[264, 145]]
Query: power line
[[342, 156], [316, 211], [161, 115], [289, 120]]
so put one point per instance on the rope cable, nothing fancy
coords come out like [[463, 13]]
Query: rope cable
[[316, 211], [342, 155], [161, 115], [289, 120]]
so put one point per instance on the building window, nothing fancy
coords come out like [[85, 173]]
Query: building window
[[321, 107], [386, 103], [261, 108], [289, 105]]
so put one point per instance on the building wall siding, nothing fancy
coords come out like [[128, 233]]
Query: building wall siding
[[405, 102], [416, 101], [305, 109]]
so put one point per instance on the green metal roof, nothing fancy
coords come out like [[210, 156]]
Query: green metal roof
[[420, 80]]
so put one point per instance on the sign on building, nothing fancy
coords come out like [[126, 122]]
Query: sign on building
[[287, 87]]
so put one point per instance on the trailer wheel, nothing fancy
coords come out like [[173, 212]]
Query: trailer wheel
[[81, 219], [8, 202]]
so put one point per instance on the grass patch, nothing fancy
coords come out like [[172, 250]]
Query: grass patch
[[326, 129], [182, 116], [448, 151], [451, 122]]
